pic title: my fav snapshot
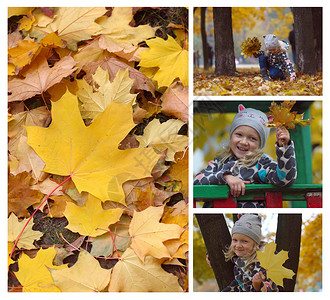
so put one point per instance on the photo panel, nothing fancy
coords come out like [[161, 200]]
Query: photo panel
[[243, 252], [269, 174]]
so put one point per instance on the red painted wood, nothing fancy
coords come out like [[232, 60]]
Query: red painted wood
[[274, 200], [314, 200], [228, 202]]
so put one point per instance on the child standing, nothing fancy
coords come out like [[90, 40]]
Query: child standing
[[244, 161], [275, 59], [249, 275]]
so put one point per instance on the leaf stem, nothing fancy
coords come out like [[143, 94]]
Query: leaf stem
[[114, 244], [74, 247], [18, 237]]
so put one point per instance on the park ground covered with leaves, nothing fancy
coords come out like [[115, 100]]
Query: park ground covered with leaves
[[249, 82], [97, 151]]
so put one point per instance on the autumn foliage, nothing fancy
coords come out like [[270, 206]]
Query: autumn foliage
[[98, 160]]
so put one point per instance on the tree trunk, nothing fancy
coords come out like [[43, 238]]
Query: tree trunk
[[216, 238], [223, 41], [288, 237], [204, 40], [317, 26], [304, 36]]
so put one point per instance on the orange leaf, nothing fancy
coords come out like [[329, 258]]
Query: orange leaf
[[281, 115]]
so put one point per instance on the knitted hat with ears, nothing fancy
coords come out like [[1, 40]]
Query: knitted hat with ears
[[253, 118], [249, 225], [271, 42]]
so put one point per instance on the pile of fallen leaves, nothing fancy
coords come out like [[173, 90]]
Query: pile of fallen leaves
[[250, 83], [98, 160]]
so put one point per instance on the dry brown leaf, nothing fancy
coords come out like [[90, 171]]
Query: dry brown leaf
[[39, 78]]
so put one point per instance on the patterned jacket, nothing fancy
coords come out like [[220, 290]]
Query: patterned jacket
[[243, 278], [265, 170], [281, 61]]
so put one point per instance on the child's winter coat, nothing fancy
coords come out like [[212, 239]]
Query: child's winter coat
[[279, 60], [265, 170], [243, 278]]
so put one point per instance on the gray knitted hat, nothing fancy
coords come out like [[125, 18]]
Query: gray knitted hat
[[249, 225], [271, 42], [253, 118]]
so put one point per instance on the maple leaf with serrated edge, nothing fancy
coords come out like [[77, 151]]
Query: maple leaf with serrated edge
[[91, 219], [72, 24], [116, 33], [28, 236], [169, 59], [272, 263], [148, 234], [34, 273], [40, 78], [90, 155], [162, 136], [131, 275], [86, 275], [281, 115]]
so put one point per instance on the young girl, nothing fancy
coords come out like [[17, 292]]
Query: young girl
[[249, 275], [275, 59], [244, 161]]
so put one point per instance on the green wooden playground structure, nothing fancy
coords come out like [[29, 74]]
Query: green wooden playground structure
[[302, 194]]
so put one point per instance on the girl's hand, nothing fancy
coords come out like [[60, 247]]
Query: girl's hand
[[237, 186], [292, 78], [257, 279], [282, 136], [208, 260]]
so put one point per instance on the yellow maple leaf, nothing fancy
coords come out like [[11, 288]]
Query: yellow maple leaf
[[27, 21], [281, 115], [131, 275], [95, 100], [90, 155], [272, 263], [91, 219], [179, 171], [34, 274], [18, 11], [162, 136], [23, 53], [148, 234], [28, 236], [85, 275], [170, 59], [72, 24], [177, 214], [116, 33], [52, 40]]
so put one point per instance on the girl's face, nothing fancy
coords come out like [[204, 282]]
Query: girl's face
[[274, 51], [243, 140], [242, 244]]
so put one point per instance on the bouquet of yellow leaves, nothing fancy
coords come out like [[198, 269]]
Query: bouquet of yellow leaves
[[250, 46], [281, 115]]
